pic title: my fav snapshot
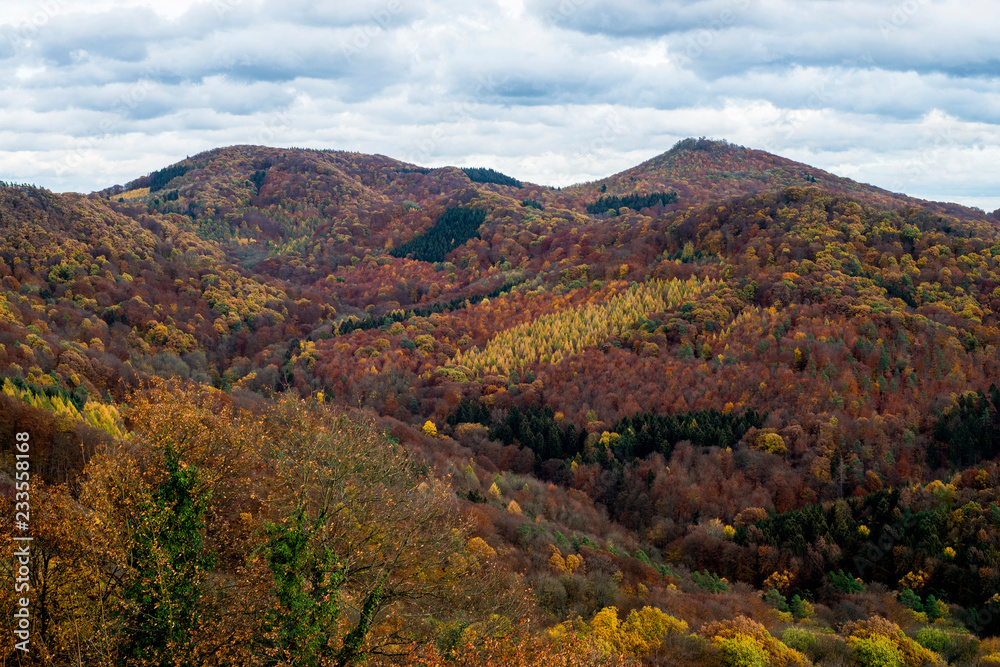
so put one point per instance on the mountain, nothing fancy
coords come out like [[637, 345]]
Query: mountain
[[744, 393]]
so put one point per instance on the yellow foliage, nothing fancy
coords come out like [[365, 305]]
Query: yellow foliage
[[556, 561], [552, 337], [641, 633], [6, 315], [430, 429], [882, 630], [609, 440], [478, 549], [941, 491], [743, 633], [779, 581], [104, 417], [574, 562], [742, 650], [770, 441], [134, 194], [914, 580], [514, 508], [494, 491], [98, 415]]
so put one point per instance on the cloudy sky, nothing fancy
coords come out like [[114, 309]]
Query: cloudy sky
[[903, 94]]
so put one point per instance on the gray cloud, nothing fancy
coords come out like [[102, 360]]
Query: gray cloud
[[903, 95]]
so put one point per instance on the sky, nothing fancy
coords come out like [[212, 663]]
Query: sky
[[901, 94]]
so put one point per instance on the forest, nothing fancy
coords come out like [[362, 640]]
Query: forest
[[315, 407]]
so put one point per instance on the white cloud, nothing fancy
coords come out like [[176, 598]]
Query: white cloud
[[905, 96]]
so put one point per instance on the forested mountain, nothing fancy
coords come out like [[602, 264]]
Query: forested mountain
[[718, 409]]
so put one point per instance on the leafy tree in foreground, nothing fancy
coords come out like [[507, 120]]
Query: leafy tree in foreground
[[169, 563]]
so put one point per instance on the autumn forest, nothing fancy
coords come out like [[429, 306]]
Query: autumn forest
[[310, 407]]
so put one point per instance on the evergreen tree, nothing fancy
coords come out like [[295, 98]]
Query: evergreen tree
[[634, 201], [452, 229], [169, 562]]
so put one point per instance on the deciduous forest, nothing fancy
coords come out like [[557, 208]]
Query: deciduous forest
[[311, 407]]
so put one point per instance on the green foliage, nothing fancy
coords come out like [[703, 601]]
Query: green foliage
[[876, 651], [537, 429], [710, 581], [699, 144], [453, 228], [665, 570], [798, 639], [641, 435], [484, 175], [352, 323], [169, 566], [646, 433], [257, 178], [845, 582], [634, 201], [159, 179], [413, 170], [933, 638], [774, 598], [800, 608], [532, 204], [351, 647], [17, 385], [307, 580], [910, 600], [970, 429], [934, 608], [909, 234], [743, 651]]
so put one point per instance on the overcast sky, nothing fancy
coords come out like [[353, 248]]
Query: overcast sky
[[902, 94]]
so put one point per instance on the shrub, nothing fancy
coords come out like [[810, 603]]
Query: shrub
[[798, 639], [933, 639], [876, 651], [742, 628], [743, 651], [879, 629]]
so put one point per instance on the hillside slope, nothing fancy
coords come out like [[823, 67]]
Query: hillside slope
[[721, 383]]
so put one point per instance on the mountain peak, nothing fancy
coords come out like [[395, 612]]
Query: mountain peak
[[703, 144]]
